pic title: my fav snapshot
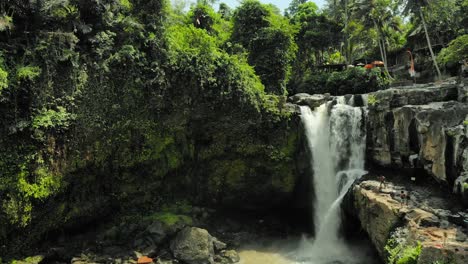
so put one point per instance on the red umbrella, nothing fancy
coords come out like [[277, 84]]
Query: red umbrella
[[145, 260]]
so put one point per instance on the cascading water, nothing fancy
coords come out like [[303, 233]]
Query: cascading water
[[336, 138]]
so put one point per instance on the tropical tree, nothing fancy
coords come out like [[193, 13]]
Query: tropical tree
[[294, 7], [377, 14], [225, 11], [416, 7], [316, 35], [269, 39], [340, 10], [207, 2], [456, 51]]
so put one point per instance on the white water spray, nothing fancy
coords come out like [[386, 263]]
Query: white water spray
[[336, 138]]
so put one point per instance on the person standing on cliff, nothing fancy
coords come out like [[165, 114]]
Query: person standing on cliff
[[408, 197], [382, 182], [402, 198]]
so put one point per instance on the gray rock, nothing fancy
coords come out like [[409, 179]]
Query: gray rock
[[310, 100], [463, 92], [157, 231], [231, 255], [193, 246], [218, 245], [430, 221], [415, 128]]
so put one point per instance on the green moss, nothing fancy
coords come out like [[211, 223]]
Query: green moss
[[283, 180], [170, 214], [171, 219], [372, 100], [465, 122], [227, 174], [29, 260]]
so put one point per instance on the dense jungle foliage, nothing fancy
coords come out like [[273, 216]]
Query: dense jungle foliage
[[122, 105]]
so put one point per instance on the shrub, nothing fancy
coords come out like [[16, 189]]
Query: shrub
[[350, 81], [3, 79], [28, 73], [400, 253], [457, 50], [410, 255]]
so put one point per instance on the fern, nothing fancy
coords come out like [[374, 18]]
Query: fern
[[410, 255]]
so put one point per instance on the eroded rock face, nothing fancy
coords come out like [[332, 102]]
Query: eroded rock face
[[193, 246], [419, 127], [424, 219]]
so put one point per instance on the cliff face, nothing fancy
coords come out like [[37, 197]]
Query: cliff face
[[417, 129], [103, 115], [396, 226], [421, 127]]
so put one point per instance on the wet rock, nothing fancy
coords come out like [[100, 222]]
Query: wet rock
[[377, 218], [463, 92], [193, 246], [430, 221], [437, 254], [231, 256], [457, 219], [218, 245], [312, 101], [157, 231]]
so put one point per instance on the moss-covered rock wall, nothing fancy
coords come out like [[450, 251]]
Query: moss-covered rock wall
[[104, 110]]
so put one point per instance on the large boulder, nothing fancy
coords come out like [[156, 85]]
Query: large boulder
[[390, 223], [193, 246], [312, 101], [377, 216]]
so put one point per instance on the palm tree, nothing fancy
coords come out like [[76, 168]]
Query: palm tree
[[341, 7], [416, 7], [376, 15]]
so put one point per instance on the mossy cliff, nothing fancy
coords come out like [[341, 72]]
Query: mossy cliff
[[104, 110]]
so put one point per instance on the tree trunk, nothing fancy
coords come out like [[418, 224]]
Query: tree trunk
[[439, 75], [385, 58], [382, 48], [348, 41]]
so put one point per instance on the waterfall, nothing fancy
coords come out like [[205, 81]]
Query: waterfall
[[336, 138]]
